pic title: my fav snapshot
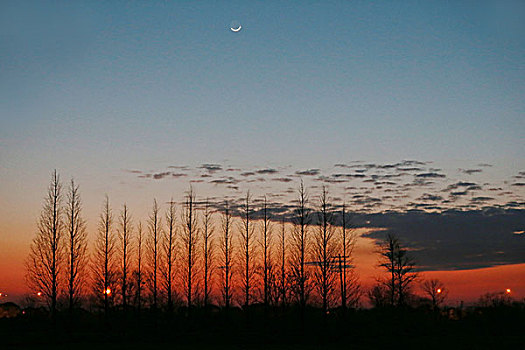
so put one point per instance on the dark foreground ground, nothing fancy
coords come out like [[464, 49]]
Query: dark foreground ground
[[490, 328]]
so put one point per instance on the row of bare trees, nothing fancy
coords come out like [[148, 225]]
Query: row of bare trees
[[208, 254]]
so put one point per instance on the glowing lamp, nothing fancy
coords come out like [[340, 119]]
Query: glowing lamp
[[508, 291], [438, 291], [107, 291], [39, 294]]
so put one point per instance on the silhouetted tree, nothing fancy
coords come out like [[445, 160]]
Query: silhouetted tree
[[46, 255], [299, 248], [139, 272], [401, 267], [208, 231], [169, 252], [266, 246], [349, 284], [436, 291], [104, 258], [154, 227], [246, 238], [282, 242], [325, 251], [226, 248], [125, 232], [189, 241], [379, 295], [76, 247]]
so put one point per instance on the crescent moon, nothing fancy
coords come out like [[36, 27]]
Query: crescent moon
[[236, 29]]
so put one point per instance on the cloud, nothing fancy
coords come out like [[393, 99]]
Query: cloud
[[225, 181], [212, 168], [470, 171], [410, 169], [266, 171], [430, 197], [159, 176], [309, 172], [459, 193], [430, 175], [330, 180], [282, 179], [248, 173], [518, 184], [179, 167], [481, 199], [456, 239], [459, 184]]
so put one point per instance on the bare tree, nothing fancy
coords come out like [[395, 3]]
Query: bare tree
[[246, 238], [45, 258], [299, 248], [154, 227], [282, 242], [189, 241], [349, 285], [401, 267], [266, 244], [169, 252], [208, 231], [76, 243], [226, 248], [125, 233], [104, 259], [436, 291], [139, 272], [325, 251]]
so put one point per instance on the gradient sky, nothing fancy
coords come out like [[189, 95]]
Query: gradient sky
[[95, 89]]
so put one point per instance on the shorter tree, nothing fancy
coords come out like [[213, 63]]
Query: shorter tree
[[436, 291], [379, 295], [401, 268]]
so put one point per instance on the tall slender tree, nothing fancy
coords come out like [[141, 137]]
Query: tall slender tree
[[76, 247], [139, 272], [169, 253], [299, 248], [207, 241], [266, 244], [104, 259], [226, 248], [189, 242], [246, 239], [282, 241], [125, 233], [46, 258], [325, 251], [349, 284], [154, 227]]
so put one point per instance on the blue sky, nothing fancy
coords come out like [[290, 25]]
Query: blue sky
[[92, 88]]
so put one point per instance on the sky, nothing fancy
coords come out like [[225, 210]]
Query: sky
[[111, 92]]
